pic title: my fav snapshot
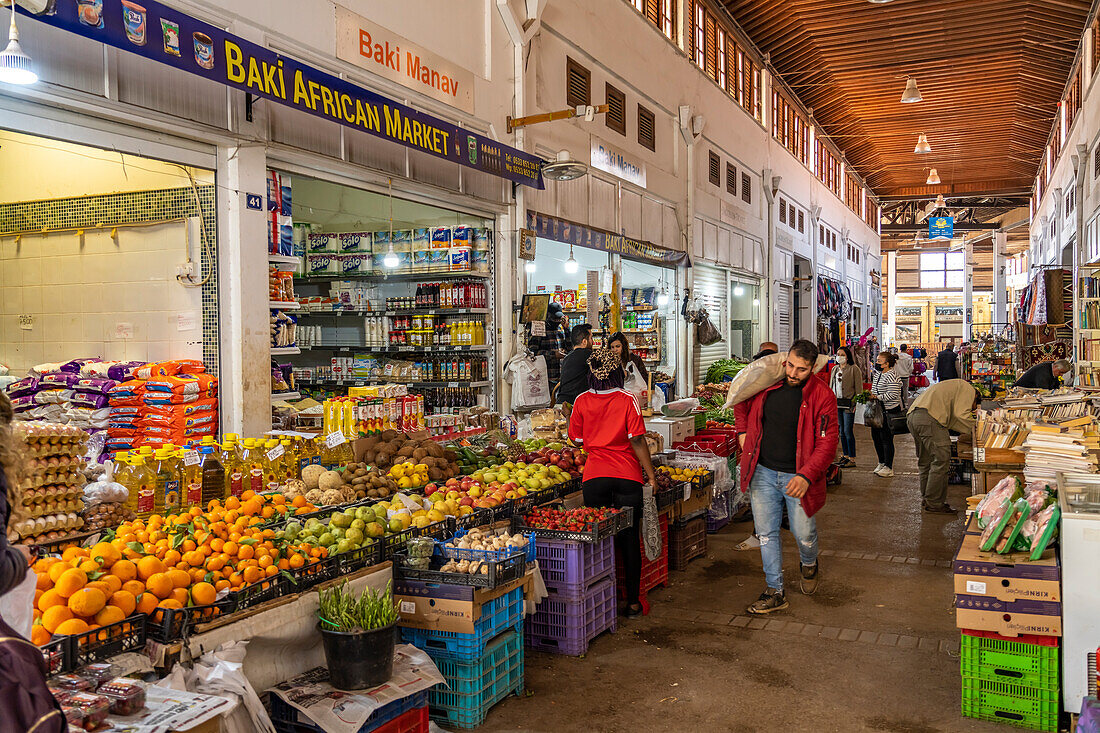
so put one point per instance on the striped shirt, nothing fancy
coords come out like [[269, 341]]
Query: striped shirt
[[887, 387]]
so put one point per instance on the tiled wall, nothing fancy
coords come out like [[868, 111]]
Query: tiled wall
[[63, 296]]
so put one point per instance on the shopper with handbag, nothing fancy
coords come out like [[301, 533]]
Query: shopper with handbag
[[607, 422], [846, 381], [886, 388]]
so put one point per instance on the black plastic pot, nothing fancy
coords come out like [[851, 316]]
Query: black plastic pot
[[358, 659]]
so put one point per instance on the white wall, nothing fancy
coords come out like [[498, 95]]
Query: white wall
[[96, 296]]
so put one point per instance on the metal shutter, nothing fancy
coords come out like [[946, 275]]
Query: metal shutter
[[784, 306], [711, 287]]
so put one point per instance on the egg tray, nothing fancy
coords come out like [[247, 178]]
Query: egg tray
[[500, 572]]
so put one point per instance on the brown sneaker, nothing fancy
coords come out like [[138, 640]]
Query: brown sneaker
[[770, 600], [810, 577]]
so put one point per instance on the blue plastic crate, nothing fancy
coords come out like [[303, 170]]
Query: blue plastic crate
[[500, 614], [459, 553], [479, 684], [288, 719]]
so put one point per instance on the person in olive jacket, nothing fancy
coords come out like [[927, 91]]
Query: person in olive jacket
[[846, 381]]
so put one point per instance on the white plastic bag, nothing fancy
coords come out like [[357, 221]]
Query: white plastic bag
[[530, 383], [17, 605], [861, 413], [634, 384], [657, 399]]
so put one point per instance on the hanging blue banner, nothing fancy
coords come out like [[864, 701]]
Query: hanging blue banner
[[941, 227], [148, 28], [570, 232]]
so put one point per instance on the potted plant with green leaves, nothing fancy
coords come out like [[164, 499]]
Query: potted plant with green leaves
[[358, 635]]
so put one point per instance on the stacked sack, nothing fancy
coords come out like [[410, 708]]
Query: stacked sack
[[58, 392], [163, 402]]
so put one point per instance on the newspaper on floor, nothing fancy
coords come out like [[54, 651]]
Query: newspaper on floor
[[345, 712], [171, 710]]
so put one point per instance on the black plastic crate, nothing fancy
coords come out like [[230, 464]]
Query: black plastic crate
[[394, 543], [262, 591], [480, 516], [166, 625], [57, 652], [441, 530], [57, 546], [499, 572], [596, 530], [100, 644], [524, 504]]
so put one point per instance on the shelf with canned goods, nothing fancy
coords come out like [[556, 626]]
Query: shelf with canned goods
[[395, 349], [355, 382], [395, 276], [413, 312]]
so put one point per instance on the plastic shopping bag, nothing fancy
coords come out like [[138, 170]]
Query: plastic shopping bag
[[634, 384], [17, 605]]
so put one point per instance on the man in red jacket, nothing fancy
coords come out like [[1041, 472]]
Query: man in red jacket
[[788, 435]]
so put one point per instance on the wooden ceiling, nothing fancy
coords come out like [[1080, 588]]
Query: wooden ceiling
[[991, 73]]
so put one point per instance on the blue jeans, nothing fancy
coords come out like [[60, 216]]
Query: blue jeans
[[767, 495], [846, 421]]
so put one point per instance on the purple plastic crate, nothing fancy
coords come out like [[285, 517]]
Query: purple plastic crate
[[570, 567], [567, 627]]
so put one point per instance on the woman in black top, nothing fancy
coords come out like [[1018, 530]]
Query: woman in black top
[[621, 346]]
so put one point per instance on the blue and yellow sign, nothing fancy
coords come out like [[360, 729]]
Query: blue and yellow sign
[[160, 33], [941, 227]]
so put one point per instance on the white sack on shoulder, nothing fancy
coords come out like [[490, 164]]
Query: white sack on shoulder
[[761, 374]]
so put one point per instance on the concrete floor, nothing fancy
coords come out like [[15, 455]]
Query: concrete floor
[[876, 649]]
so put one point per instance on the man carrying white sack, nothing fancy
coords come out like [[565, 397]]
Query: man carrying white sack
[[787, 428]]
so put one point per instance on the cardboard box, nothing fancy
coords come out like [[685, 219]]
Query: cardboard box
[[1013, 577], [1008, 618], [698, 499], [444, 607]]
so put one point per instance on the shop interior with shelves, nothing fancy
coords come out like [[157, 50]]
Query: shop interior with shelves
[[385, 291]]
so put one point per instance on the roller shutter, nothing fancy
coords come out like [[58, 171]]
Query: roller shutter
[[710, 285]]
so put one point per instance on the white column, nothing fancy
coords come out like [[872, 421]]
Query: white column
[[999, 309], [245, 384], [891, 297], [968, 290]]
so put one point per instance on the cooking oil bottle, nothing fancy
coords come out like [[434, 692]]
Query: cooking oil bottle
[[253, 460], [191, 478], [212, 476], [144, 481], [123, 475], [235, 472], [290, 460], [273, 469], [167, 498]]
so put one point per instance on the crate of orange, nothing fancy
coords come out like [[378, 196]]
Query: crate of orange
[[104, 642], [172, 562], [166, 625]]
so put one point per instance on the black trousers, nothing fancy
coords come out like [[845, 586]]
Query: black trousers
[[620, 492], [884, 440]]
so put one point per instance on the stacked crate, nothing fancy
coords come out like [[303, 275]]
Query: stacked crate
[[1008, 608], [481, 668], [407, 715], [654, 572], [687, 540], [580, 580]]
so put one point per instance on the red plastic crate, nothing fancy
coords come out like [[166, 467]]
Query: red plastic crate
[[413, 721], [719, 445], [1022, 638]]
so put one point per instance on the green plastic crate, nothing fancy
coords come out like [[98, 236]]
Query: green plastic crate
[[1013, 662], [1018, 705]]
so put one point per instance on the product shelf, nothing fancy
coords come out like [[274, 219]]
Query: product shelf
[[285, 350], [276, 396], [284, 305], [394, 349], [395, 276], [284, 259], [413, 312], [366, 382]]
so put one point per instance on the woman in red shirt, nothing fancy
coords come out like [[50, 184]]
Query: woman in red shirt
[[607, 422]]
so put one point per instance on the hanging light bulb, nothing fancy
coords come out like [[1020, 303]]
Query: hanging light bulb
[[933, 178], [15, 65], [911, 93], [571, 265], [922, 144], [663, 298], [756, 301], [529, 268], [390, 260], [738, 291]]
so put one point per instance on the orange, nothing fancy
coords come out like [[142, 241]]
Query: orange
[[109, 615], [251, 507], [149, 566], [70, 582], [203, 594], [266, 561], [124, 570], [146, 603], [221, 584], [55, 616], [105, 554], [298, 501], [180, 578], [87, 602], [73, 552], [160, 585], [43, 582], [216, 562], [134, 587], [232, 503], [271, 571], [49, 599], [57, 569], [246, 552], [253, 574], [231, 548], [72, 626], [42, 565], [123, 600], [172, 557], [247, 494], [102, 585], [297, 561], [170, 603], [181, 595], [39, 635], [113, 582], [89, 567]]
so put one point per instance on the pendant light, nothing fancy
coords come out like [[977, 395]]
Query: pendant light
[[529, 268], [662, 298], [940, 203], [922, 144], [390, 261], [15, 65], [911, 93], [933, 178], [571, 265]]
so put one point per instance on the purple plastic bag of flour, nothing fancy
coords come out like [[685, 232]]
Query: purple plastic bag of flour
[[121, 372], [73, 367], [23, 387], [98, 386], [90, 399], [58, 379]]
